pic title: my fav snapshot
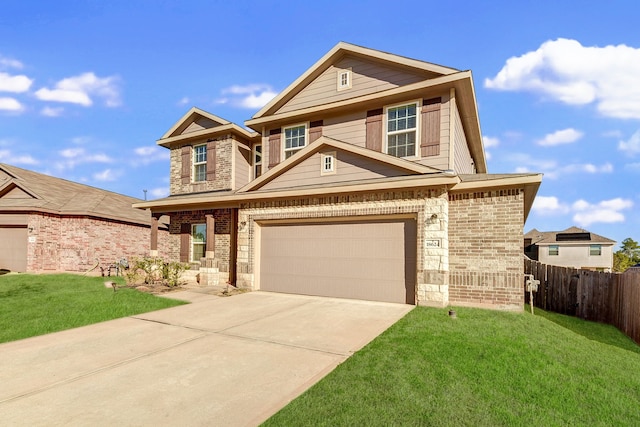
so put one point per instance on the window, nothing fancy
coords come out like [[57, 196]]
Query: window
[[344, 79], [257, 161], [294, 139], [402, 129], [554, 250], [200, 163], [595, 250], [327, 163], [198, 241]]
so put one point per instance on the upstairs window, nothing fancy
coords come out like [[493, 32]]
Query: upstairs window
[[554, 250], [595, 250], [257, 161], [402, 129], [295, 139], [200, 163]]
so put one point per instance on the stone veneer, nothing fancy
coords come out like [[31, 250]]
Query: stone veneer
[[486, 249]]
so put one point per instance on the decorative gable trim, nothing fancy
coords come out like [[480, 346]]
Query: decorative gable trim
[[189, 118]]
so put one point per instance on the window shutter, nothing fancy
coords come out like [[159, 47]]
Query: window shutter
[[315, 130], [374, 130], [274, 147], [430, 135], [186, 164], [211, 160], [185, 242]]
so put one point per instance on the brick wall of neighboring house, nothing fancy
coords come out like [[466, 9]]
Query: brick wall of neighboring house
[[432, 262], [79, 244], [222, 181], [485, 249], [222, 219]]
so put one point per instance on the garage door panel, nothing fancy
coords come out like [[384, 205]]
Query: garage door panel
[[13, 248], [365, 260]]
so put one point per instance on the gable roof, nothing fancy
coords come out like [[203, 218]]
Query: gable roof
[[551, 237], [177, 132], [44, 193], [338, 51], [411, 168]]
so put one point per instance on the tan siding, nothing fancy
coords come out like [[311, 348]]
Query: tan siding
[[349, 167], [242, 165], [442, 160], [367, 77], [462, 161], [348, 128]]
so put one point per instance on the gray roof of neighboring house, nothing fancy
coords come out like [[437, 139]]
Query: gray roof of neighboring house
[[23, 190], [551, 237]]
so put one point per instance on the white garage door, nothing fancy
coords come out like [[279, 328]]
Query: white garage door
[[373, 260], [13, 248]]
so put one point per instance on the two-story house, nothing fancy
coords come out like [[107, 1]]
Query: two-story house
[[365, 178], [574, 247]]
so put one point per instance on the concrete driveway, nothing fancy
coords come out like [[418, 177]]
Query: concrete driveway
[[217, 361]]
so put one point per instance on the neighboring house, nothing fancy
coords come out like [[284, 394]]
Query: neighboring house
[[49, 224], [365, 178], [573, 247]]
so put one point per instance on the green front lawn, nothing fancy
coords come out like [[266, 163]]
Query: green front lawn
[[484, 368], [33, 305]]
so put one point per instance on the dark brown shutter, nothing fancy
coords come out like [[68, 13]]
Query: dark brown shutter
[[430, 135], [374, 130], [315, 130], [211, 160], [274, 147], [185, 242], [186, 164]]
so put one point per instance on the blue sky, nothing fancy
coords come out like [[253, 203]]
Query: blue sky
[[86, 88]]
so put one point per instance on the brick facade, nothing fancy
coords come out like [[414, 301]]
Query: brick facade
[[485, 249], [80, 243]]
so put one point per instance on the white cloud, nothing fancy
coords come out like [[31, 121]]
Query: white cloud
[[149, 154], [251, 96], [10, 63], [107, 175], [564, 136], [76, 156], [11, 104], [632, 145], [489, 141], [552, 169], [52, 111], [184, 101], [7, 157], [80, 90], [550, 205], [568, 72], [159, 192], [606, 211], [15, 84]]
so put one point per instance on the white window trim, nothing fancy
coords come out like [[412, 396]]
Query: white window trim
[[553, 246], [323, 157], [600, 246], [193, 159], [254, 151], [192, 252], [349, 74], [284, 139], [418, 104]]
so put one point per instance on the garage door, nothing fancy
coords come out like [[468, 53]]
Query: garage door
[[373, 260], [13, 248]]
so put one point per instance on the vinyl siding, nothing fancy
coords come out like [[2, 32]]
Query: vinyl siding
[[242, 166], [367, 77], [349, 128], [462, 161], [349, 167]]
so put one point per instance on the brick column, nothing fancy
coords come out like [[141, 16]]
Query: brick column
[[154, 236], [211, 237]]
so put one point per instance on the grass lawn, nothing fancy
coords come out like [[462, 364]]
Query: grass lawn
[[484, 368], [33, 305]]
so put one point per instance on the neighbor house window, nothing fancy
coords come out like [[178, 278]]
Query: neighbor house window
[[327, 163], [595, 250], [295, 139], [198, 241], [554, 250], [402, 129], [257, 161], [344, 79], [200, 163]]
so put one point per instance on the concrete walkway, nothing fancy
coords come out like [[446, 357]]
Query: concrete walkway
[[230, 361]]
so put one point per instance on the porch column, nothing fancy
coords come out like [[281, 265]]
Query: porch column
[[211, 237], [154, 236]]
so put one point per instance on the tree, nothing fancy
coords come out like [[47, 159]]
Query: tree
[[627, 256]]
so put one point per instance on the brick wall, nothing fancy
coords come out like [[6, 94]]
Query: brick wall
[[485, 249], [78, 244], [224, 153]]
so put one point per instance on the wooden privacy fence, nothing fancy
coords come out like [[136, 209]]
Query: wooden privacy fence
[[612, 298]]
